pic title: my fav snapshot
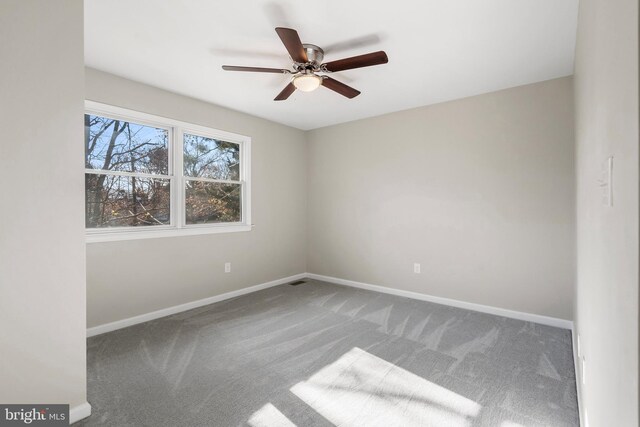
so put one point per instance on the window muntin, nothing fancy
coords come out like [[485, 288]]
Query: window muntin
[[145, 173]]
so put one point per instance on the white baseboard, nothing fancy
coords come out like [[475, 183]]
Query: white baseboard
[[528, 317], [79, 412], [119, 324], [578, 372]]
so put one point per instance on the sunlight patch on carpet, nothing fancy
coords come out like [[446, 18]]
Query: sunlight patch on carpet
[[360, 389], [269, 416]]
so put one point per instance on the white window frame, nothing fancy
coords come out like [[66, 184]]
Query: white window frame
[[177, 226]]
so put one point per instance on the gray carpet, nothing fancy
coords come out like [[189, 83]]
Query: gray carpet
[[319, 354]]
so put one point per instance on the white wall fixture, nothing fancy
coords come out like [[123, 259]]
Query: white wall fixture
[[606, 182]]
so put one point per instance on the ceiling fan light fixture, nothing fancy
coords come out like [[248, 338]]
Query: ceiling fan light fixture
[[307, 61], [307, 82]]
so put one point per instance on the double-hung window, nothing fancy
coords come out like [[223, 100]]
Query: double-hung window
[[148, 176]]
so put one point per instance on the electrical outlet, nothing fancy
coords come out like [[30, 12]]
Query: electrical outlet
[[416, 268], [227, 267]]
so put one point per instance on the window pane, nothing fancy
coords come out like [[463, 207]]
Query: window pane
[[209, 158], [210, 202], [118, 145], [125, 201]]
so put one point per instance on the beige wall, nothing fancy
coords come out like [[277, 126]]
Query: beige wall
[[42, 252], [130, 278], [606, 99], [479, 191]]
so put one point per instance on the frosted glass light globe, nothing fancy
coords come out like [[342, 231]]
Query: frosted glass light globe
[[307, 82]]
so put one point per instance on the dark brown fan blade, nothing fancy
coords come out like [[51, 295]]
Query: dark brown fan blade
[[286, 92], [366, 60], [256, 69], [292, 42], [341, 88]]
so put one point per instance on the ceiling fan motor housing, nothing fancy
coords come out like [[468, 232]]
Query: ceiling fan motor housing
[[314, 53]]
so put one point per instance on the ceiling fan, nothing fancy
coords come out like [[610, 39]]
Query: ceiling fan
[[307, 64]]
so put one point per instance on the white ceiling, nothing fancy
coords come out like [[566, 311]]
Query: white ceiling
[[438, 50]]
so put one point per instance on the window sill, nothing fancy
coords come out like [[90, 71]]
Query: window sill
[[113, 236]]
